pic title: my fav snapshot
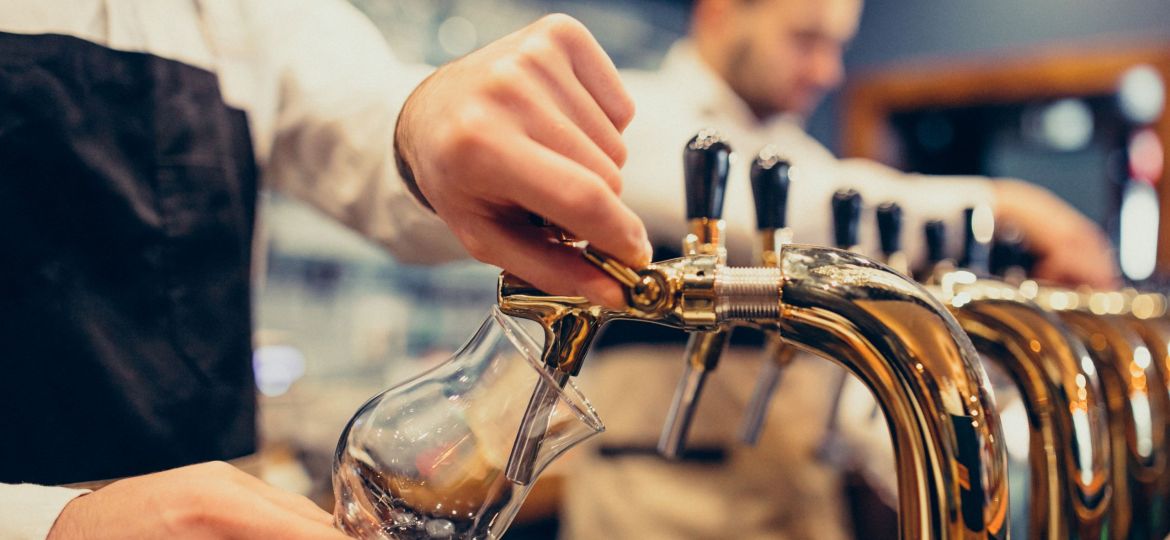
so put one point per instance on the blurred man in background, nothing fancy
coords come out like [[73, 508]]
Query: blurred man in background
[[755, 70]]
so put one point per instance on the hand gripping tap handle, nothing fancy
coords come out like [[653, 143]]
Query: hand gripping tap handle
[[846, 206], [706, 162], [770, 179]]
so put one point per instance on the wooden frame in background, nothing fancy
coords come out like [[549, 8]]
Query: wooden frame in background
[[1083, 70]]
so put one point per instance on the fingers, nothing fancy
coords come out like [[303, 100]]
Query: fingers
[[573, 198], [548, 265], [554, 129], [292, 502], [594, 68], [265, 520]]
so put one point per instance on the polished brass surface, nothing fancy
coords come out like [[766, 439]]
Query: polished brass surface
[[1138, 417], [923, 370], [890, 332], [1146, 315], [1069, 445]]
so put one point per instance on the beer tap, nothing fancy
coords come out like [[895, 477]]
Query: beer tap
[[900, 341], [937, 262], [1070, 471], [770, 179], [706, 162], [1009, 255], [1146, 314], [889, 222], [846, 207], [978, 230], [1138, 413], [1070, 461]]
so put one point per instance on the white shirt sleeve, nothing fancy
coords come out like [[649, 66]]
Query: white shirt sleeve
[[336, 100], [27, 511]]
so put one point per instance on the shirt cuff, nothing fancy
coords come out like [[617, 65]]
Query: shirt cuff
[[28, 511]]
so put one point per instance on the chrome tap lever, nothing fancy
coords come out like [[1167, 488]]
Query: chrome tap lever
[[889, 222], [706, 162], [771, 177]]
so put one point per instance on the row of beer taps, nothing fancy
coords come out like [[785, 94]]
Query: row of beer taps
[[1093, 368]]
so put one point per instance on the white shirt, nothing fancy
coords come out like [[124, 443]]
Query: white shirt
[[322, 92]]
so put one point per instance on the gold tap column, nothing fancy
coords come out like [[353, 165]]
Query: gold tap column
[[924, 371], [1069, 444]]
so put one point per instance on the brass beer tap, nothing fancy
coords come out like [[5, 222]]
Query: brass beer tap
[[1139, 408], [771, 177], [889, 331], [706, 163], [1071, 480]]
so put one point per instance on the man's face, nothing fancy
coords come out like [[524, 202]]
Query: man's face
[[786, 54]]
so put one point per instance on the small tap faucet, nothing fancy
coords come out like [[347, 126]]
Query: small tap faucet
[[771, 176], [706, 161]]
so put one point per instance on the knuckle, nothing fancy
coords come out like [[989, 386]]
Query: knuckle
[[562, 26], [190, 511], [466, 134], [623, 110], [620, 154]]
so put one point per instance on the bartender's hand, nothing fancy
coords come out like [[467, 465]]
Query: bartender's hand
[[1069, 249], [530, 124], [206, 501]]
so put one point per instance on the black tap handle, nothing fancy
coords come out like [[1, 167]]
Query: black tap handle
[[706, 161], [846, 217], [976, 253], [889, 221], [1009, 251], [936, 241], [770, 181]]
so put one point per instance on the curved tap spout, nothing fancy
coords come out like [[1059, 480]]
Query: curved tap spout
[[1069, 443], [1139, 416], [924, 372], [1155, 331]]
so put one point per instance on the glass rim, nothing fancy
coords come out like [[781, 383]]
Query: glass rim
[[581, 408]]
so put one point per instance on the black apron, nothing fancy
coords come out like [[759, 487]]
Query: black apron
[[127, 199]]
